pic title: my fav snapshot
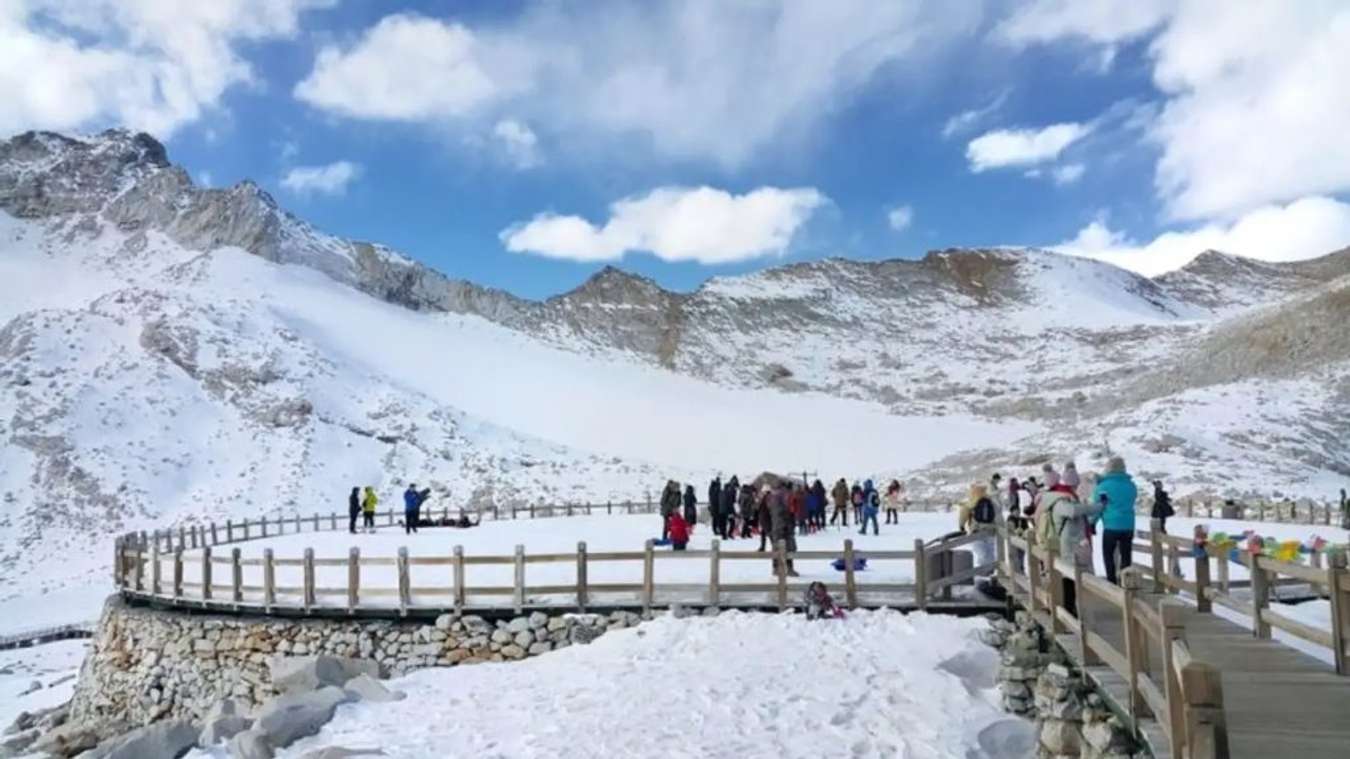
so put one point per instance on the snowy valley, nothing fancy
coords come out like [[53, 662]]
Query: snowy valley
[[171, 353]]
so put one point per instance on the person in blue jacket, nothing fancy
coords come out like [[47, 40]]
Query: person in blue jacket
[[411, 500], [1117, 492], [871, 505]]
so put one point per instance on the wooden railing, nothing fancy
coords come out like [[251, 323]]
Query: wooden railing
[[185, 567]]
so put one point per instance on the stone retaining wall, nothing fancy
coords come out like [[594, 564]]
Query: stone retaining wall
[[145, 664]]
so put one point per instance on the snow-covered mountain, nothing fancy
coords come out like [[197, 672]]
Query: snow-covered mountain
[[171, 353]]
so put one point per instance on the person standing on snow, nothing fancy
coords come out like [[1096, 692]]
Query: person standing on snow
[[716, 519], [840, 495], [818, 492], [368, 503], [670, 503], [1345, 511], [764, 514], [690, 507], [856, 496], [410, 504], [728, 509], [1119, 491], [871, 506], [353, 509], [747, 504], [1162, 506], [892, 501], [781, 523], [679, 530]]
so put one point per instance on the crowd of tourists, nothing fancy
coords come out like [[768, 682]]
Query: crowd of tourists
[[363, 502]]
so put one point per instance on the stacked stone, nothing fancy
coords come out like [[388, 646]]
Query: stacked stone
[[1022, 659], [1074, 721], [146, 665]]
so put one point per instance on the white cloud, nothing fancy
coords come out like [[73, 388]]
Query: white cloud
[[1067, 174], [701, 224], [1256, 99], [405, 68], [692, 79], [1022, 147], [289, 150], [900, 217], [331, 179], [145, 64], [1306, 228], [519, 142], [967, 121]]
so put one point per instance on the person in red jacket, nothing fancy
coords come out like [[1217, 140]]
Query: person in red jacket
[[679, 531]]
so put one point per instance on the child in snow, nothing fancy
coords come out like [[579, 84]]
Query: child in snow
[[893, 495], [819, 604], [679, 531]]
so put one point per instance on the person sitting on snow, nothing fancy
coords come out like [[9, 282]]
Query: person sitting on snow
[[819, 604]]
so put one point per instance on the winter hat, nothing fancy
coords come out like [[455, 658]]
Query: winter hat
[[1051, 478], [1070, 465], [1115, 464]]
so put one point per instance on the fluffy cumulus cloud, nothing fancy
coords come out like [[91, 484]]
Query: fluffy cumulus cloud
[[331, 179], [900, 218], [1305, 228], [702, 224], [1004, 148], [405, 68], [1255, 101], [145, 64], [692, 79], [1067, 174]]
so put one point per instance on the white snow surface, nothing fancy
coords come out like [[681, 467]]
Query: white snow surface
[[737, 685], [53, 666]]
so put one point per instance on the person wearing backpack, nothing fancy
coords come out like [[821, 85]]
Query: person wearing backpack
[[410, 504], [1069, 520], [353, 509], [1119, 490], [690, 506], [977, 517], [1162, 506], [871, 506], [840, 495], [716, 517]]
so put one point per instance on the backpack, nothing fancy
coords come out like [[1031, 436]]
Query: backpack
[[984, 511]]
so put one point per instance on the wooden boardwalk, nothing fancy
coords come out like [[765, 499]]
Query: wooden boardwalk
[[1277, 701]]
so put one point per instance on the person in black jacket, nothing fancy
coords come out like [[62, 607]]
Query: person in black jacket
[[690, 506], [353, 509], [715, 515], [1162, 506], [728, 508]]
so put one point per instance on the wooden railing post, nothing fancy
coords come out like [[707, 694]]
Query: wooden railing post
[[1172, 627], [353, 578], [459, 579], [262, 526], [154, 567], [245, 529], [119, 562], [1130, 584], [1155, 553], [1202, 602], [780, 560], [139, 569], [519, 586], [182, 538], [850, 575], [1340, 611], [1206, 728], [1033, 577], [1260, 596], [1055, 591], [648, 570], [405, 582], [229, 530], [1173, 567], [583, 582], [1085, 654], [1221, 564], [920, 575], [269, 580], [194, 532], [236, 576], [332, 521], [206, 573], [178, 572], [309, 578], [215, 538], [715, 574]]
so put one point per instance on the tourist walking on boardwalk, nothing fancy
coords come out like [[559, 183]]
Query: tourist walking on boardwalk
[[892, 501], [670, 503], [728, 510], [1070, 536], [996, 490], [368, 503], [716, 517], [781, 526], [977, 517], [1117, 490], [840, 496], [1162, 506], [747, 504], [353, 509], [1071, 477], [410, 504], [871, 506], [690, 506]]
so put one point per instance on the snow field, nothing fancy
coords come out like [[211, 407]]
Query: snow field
[[53, 665], [738, 685]]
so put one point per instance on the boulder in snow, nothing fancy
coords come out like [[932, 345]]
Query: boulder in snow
[[159, 740], [302, 674], [367, 688], [292, 716]]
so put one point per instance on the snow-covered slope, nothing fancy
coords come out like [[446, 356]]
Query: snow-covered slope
[[170, 353]]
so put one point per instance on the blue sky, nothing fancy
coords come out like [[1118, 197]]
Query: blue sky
[[493, 140]]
